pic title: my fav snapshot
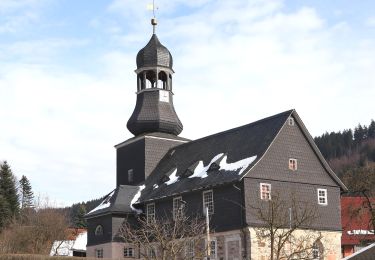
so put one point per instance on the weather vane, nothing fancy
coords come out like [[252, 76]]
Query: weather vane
[[153, 20]]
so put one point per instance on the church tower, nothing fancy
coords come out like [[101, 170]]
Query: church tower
[[154, 122]]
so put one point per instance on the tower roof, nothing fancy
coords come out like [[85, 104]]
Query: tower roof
[[154, 54]]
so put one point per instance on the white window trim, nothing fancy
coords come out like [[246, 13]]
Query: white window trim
[[204, 208], [260, 190], [291, 121], [325, 197], [190, 249], [178, 209], [296, 163], [97, 250], [127, 248], [211, 240], [147, 213]]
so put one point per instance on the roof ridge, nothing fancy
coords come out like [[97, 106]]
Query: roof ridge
[[290, 111]]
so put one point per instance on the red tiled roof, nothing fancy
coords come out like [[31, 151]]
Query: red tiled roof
[[355, 220]]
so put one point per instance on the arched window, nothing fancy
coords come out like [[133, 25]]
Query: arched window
[[317, 250], [99, 230], [162, 80]]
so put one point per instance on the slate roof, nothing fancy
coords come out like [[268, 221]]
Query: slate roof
[[119, 201], [366, 253], [154, 54], [237, 144]]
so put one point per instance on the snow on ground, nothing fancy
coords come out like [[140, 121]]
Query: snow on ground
[[136, 198], [172, 178], [241, 164], [105, 203], [62, 248]]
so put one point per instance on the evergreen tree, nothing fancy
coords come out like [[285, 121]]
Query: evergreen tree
[[27, 195], [5, 214], [371, 129], [79, 220], [8, 188]]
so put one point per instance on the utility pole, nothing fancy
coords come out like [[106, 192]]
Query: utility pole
[[208, 235]]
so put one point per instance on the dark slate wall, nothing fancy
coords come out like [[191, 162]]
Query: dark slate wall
[[155, 149], [228, 211], [106, 222], [131, 156], [291, 143], [328, 216], [310, 175]]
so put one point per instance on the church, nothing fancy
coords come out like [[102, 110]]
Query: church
[[225, 174]]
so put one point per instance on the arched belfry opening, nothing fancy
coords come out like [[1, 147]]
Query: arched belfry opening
[[154, 110]]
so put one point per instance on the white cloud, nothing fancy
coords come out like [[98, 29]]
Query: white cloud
[[370, 21]]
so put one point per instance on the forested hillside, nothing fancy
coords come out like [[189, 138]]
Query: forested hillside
[[351, 154]]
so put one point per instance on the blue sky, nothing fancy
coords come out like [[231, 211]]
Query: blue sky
[[67, 78]]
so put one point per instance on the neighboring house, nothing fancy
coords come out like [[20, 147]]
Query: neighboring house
[[74, 246], [356, 223], [229, 172]]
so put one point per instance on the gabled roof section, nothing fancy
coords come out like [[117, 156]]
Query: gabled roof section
[[235, 151], [117, 201], [317, 152]]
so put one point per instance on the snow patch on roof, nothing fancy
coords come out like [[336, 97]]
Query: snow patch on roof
[[172, 178], [136, 198], [155, 186], [105, 203], [201, 170], [80, 242], [241, 164]]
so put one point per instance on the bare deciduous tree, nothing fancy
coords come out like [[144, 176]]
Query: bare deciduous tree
[[166, 238], [287, 229]]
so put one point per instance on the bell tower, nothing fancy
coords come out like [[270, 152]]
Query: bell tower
[[154, 110], [154, 122]]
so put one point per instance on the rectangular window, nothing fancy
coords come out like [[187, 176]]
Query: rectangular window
[[322, 197], [99, 253], [150, 212], [292, 164], [291, 121], [130, 175], [265, 191], [208, 202], [128, 252], [190, 249], [177, 207], [212, 249], [151, 253]]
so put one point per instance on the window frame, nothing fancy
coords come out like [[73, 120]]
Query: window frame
[[325, 203], [190, 249], [99, 253], [291, 121], [99, 230], [148, 214], [293, 164], [211, 210], [130, 175], [269, 185], [212, 249], [129, 252], [177, 207]]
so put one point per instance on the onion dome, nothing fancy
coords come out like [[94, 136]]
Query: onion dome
[[154, 54]]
